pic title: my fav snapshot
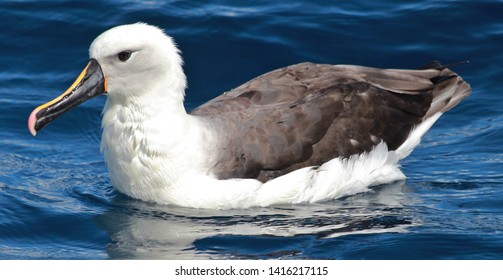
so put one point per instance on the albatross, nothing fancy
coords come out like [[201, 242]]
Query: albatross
[[300, 134]]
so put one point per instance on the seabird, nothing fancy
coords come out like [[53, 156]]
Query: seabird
[[300, 134]]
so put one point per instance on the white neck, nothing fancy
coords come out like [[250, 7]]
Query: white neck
[[145, 143]]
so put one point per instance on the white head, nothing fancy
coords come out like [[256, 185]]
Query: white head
[[135, 57], [129, 63]]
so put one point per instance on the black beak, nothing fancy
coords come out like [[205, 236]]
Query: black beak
[[89, 84]]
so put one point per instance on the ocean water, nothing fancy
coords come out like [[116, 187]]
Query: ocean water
[[57, 201]]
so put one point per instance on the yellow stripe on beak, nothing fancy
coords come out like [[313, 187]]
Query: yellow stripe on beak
[[68, 91]]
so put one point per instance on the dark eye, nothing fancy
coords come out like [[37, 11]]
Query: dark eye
[[123, 56]]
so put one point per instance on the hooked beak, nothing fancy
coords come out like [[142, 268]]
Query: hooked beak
[[89, 84]]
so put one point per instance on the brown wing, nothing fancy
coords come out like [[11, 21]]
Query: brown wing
[[307, 114]]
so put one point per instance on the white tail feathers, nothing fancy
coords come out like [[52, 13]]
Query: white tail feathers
[[415, 136]]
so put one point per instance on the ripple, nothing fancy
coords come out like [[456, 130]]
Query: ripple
[[143, 230]]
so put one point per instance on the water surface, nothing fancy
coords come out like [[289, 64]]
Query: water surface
[[56, 198]]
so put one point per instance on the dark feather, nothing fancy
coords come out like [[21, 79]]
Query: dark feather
[[306, 114]]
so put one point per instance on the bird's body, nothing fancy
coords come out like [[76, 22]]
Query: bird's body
[[303, 133]]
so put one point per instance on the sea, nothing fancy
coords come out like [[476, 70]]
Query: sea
[[57, 200]]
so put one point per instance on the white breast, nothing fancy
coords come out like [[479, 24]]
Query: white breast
[[144, 161]]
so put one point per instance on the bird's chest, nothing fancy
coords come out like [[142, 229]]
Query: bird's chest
[[139, 161], [144, 161], [126, 155]]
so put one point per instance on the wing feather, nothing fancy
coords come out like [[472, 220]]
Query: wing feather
[[306, 114]]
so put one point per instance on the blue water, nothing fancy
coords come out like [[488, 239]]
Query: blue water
[[57, 201]]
